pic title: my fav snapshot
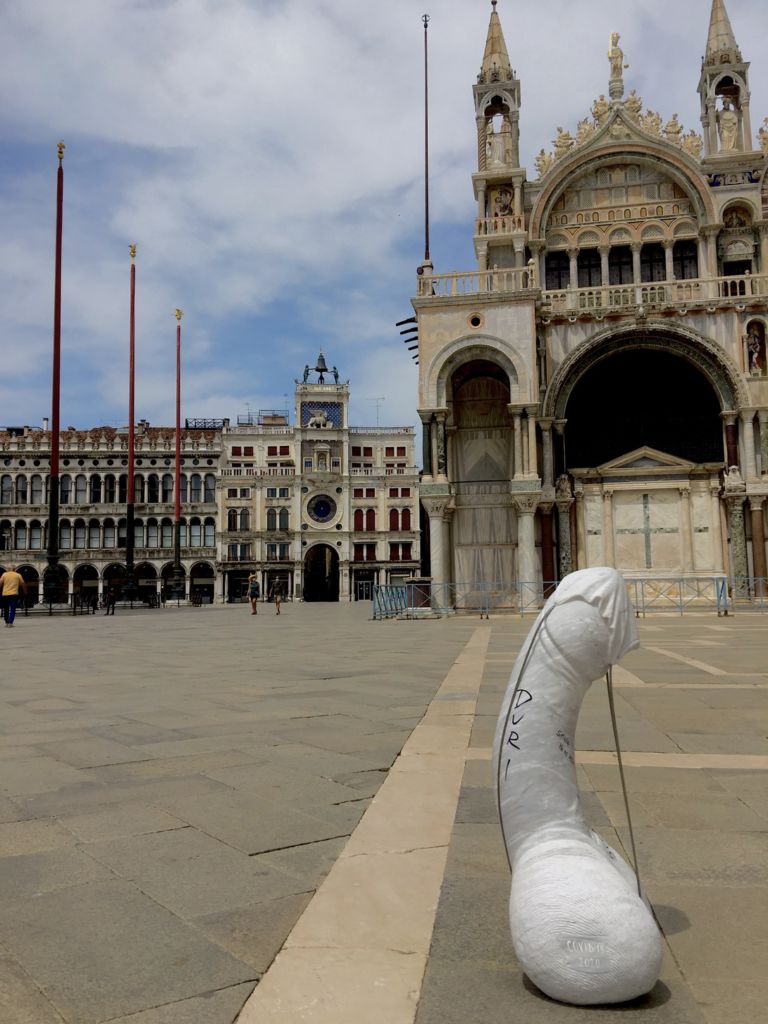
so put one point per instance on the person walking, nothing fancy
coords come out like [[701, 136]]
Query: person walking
[[254, 592], [10, 584], [276, 594], [111, 598]]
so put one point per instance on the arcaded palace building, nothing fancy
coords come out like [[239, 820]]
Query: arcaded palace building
[[595, 391], [322, 508]]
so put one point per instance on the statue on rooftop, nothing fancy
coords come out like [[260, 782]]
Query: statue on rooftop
[[306, 373], [727, 125], [600, 111], [633, 106], [673, 130], [543, 162]]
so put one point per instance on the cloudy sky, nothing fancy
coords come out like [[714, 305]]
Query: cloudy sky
[[266, 158]]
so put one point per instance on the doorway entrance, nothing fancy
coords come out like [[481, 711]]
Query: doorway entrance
[[321, 574]]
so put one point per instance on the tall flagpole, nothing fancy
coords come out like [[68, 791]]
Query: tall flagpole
[[425, 19], [130, 571], [52, 574], [178, 576]]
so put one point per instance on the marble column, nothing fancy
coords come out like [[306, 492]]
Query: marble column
[[573, 256], [636, 248], [609, 548], [669, 258], [762, 417], [564, 533], [435, 509], [759, 570], [442, 451], [548, 470], [739, 567], [605, 272], [686, 530], [518, 445], [746, 125], [527, 569], [547, 549], [426, 444], [764, 248], [533, 469], [747, 418], [729, 417], [580, 560]]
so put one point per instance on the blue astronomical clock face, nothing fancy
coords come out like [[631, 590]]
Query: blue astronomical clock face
[[321, 508], [329, 412]]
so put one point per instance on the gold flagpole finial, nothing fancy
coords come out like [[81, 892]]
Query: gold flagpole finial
[[61, 147], [179, 314], [132, 251]]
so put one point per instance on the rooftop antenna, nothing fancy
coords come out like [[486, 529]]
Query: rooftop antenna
[[378, 402]]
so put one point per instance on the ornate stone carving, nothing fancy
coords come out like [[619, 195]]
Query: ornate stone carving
[[734, 482], [584, 131], [651, 122], [563, 143], [727, 126], [563, 491], [526, 504], [762, 134], [616, 58], [600, 111], [544, 162], [673, 130], [633, 106]]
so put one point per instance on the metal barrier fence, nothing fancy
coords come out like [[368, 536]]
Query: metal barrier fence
[[679, 594]]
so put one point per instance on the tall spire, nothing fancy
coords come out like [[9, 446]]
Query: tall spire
[[721, 42], [496, 64]]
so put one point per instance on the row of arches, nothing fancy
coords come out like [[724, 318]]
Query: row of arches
[[620, 265], [23, 535], [107, 489], [239, 520]]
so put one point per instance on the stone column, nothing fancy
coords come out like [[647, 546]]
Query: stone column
[[426, 443], [560, 431], [548, 471], [712, 251], [686, 531], [717, 529], [746, 124], [747, 417], [762, 417], [739, 567], [605, 272], [609, 547], [435, 508], [729, 417], [533, 469], [481, 211], [669, 258], [517, 442], [636, 273], [481, 142], [701, 245], [573, 256], [564, 500], [759, 570], [442, 451], [764, 248], [547, 551], [580, 561], [525, 507]]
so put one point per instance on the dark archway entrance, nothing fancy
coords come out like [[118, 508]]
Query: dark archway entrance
[[636, 398], [85, 586], [321, 574], [146, 582], [202, 583]]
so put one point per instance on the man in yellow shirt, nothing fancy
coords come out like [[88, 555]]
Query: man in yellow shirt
[[10, 582]]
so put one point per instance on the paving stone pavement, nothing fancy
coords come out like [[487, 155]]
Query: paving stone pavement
[[175, 786]]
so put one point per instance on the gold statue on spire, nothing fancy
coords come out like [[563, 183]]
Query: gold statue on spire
[[132, 251], [179, 314], [60, 147]]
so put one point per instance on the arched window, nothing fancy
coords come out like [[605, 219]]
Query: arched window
[[109, 489], [370, 520], [394, 520], [110, 536], [36, 496], [81, 489], [153, 489], [183, 533], [138, 488], [558, 270], [209, 534], [153, 536], [359, 520], [95, 481], [21, 534], [167, 487], [195, 488], [685, 259], [122, 533], [138, 533], [184, 488], [94, 537], [6, 535], [245, 519], [35, 535], [6, 489], [65, 535], [166, 528], [21, 490], [620, 266], [282, 519], [65, 489], [232, 519], [271, 518], [79, 533], [589, 268], [122, 489], [195, 533], [653, 262], [405, 519], [209, 492]]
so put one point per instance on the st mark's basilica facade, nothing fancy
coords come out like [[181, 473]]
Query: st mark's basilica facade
[[594, 392]]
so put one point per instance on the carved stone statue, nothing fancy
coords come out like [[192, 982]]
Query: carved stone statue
[[306, 374], [673, 130], [584, 130], [600, 111], [762, 134], [502, 205], [633, 106], [562, 143], [319, 418], [616, 56], [563, 488], [495, 144], [734, 481], [651, 122], [727, 126], [692, 144], [543, 162]]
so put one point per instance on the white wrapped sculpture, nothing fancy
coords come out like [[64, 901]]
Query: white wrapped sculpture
[[581, 931]]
